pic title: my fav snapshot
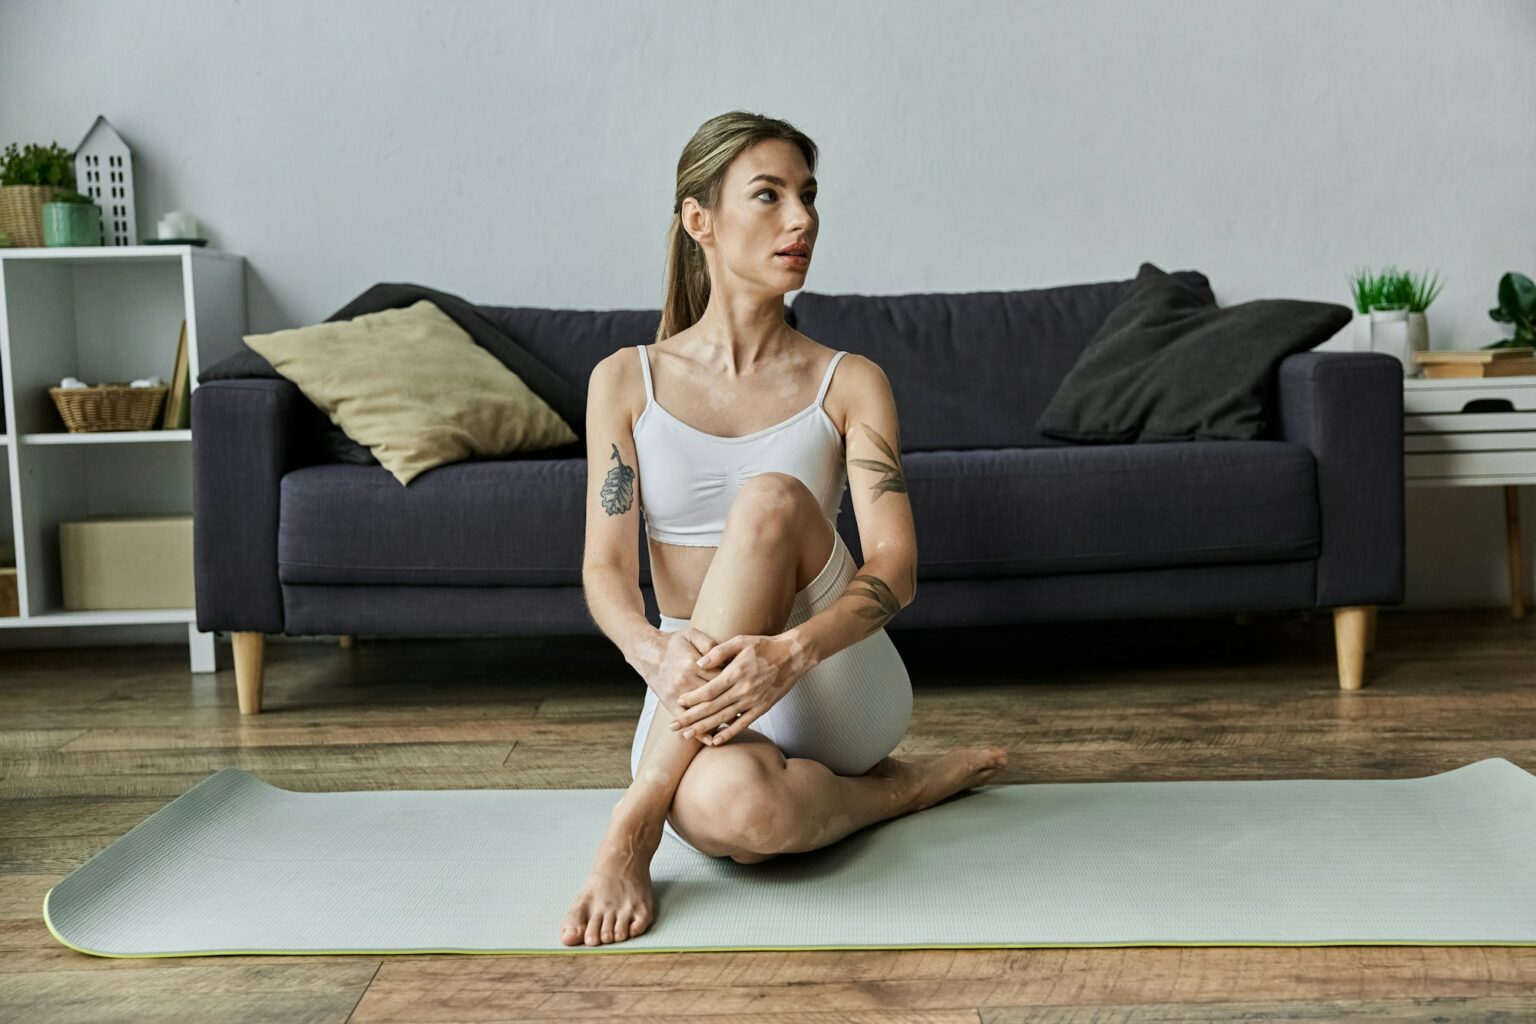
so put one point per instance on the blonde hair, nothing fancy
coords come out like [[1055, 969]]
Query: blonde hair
[[700, 174]]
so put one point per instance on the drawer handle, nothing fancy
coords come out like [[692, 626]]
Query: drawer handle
[[1489, 405]]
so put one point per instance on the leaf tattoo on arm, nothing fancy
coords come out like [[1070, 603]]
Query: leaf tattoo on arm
[[618, 486], [883, 601], [876, 589], [891, 476]]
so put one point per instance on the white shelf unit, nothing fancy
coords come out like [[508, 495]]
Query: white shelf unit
[[101, 313]]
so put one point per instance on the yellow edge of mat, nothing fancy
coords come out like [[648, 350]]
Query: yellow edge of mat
[[729, 949]]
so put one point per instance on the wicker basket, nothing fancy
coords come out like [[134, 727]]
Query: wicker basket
[[21, 212], [109, 407]]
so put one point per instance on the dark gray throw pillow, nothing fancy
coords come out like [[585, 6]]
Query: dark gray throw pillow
[[1168, 364], [567, 400]]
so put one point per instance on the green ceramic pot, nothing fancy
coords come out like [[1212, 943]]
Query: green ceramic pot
[[71, 224]]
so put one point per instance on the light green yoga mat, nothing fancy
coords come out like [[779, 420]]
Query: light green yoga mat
[[235, 865]]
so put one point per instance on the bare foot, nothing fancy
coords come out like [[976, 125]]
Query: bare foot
[[932, 778], [616, 902]]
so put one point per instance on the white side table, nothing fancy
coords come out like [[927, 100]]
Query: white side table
[[1470, 432]]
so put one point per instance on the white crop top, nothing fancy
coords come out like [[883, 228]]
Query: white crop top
[[688, 479]]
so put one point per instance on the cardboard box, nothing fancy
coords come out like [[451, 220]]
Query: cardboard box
[[127, 562]]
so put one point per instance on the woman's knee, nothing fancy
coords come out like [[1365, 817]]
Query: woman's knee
[[772, 501], [734, 799]]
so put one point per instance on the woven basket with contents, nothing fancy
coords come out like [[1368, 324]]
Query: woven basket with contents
[[109, 407]]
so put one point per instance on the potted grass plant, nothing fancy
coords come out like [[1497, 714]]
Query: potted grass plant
[[1391, 313], [29, 178]]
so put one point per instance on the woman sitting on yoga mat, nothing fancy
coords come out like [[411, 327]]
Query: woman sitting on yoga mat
[[780, 693]]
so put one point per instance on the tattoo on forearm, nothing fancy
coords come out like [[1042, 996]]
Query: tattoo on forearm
[[891, 478], [877, 591], [618, 486]]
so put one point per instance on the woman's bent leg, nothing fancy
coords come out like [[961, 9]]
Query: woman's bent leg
[[775, 537], [748, 588]]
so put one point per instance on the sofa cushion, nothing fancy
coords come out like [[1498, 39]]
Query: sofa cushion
[[566, 398], [988, 512], [1170, 365], [1042, 511], [970, 369], [413, 386], [494, 522]]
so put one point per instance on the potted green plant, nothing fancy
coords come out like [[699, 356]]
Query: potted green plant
[[29, 178], [71, 219], [1517, 305], [1390, 313]]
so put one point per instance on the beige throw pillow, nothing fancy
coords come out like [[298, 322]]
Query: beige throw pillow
[[414, 387]]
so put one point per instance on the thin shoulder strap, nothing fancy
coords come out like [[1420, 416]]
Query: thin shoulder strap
[[826, 382], [645, 367]]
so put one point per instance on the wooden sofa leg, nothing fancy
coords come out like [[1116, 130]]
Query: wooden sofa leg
[[346, 641], [1350, 628], [248, 651]]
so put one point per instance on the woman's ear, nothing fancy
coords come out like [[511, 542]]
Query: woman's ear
[[696, 220]]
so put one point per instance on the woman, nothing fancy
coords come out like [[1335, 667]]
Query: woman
[[774, 694]]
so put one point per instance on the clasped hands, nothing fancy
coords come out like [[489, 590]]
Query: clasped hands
[[754, 672]]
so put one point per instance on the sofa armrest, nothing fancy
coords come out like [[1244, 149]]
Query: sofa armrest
[[1347, 409], [246, 433]]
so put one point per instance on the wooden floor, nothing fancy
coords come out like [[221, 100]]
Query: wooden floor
[[93, 741]]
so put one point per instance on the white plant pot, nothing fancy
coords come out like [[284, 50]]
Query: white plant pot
[[1396, 332], [1418, 334]]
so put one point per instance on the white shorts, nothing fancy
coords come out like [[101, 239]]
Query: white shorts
[[848, 712]]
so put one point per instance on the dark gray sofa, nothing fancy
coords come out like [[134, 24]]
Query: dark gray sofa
[[1012, 526]]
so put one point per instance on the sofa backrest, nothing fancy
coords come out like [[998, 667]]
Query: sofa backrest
[[968, 369], [971, 369]]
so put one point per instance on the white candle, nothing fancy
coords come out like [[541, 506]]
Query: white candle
[[180, 224]]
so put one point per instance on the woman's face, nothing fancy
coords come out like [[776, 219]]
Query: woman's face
[[767, 204]]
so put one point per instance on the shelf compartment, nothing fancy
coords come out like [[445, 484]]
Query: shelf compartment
[[65, 482], [113, 318]]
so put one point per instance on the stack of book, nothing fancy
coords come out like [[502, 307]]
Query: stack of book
[[1481, 362]]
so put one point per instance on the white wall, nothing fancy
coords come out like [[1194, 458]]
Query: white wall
[[524, 153]]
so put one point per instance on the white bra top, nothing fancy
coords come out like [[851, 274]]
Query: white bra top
[[688, 479]]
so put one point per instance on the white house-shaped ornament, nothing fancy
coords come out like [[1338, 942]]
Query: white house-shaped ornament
[[104, 171]]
